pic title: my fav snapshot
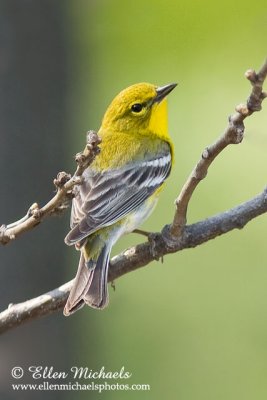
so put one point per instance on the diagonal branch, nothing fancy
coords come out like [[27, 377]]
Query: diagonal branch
[[139, 256], [65, 185], [233, 134]]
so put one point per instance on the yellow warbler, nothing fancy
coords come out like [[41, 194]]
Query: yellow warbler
[[121, 187]]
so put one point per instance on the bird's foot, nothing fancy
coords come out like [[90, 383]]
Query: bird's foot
[[112, 284], [142, 232], [153, 238]]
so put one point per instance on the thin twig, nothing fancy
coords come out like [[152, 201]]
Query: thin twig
[[139, 256], [233, 134], [64, 184]]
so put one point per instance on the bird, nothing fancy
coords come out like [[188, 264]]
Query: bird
[[120, 188]]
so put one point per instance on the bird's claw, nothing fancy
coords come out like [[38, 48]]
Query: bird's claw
[[152, 238]]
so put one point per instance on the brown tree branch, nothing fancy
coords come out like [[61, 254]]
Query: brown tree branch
[[173, 238], [139, 256], [233, 134], [65, 185]]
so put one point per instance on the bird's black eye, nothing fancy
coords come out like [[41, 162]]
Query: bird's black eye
[[137, 107]]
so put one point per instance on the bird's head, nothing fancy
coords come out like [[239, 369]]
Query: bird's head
[[139, 108]]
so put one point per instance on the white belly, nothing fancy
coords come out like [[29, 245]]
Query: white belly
[[136, 218]]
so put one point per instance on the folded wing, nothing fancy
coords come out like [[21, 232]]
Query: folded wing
[[105, 198]]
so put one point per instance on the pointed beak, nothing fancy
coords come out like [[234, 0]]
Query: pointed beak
[[163, 91]]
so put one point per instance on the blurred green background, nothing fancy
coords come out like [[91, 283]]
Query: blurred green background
[[194, 327]]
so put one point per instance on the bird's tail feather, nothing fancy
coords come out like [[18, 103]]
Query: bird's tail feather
[[90, 284]]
